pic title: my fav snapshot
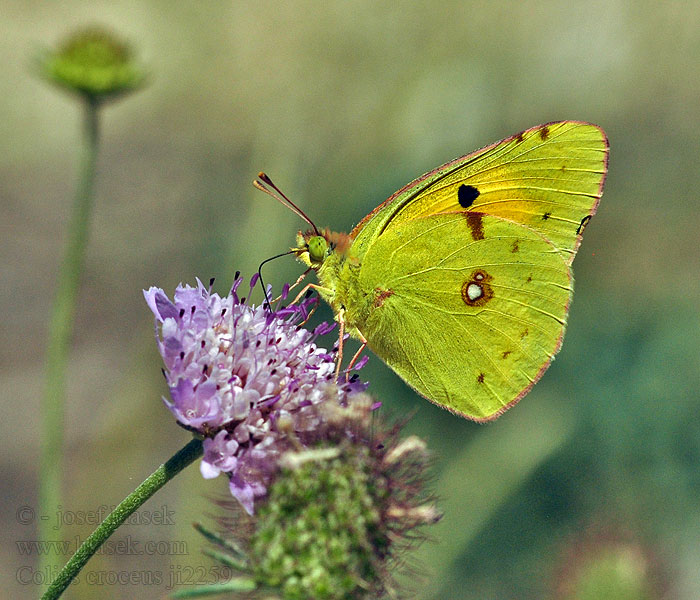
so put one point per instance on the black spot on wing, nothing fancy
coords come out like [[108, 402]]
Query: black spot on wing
[[546, 216], [583, 224], [466, 194], [544, 132]]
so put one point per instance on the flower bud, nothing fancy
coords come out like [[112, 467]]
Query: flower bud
[[94, 63]]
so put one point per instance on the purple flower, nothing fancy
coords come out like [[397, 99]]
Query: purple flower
[[241, 376]]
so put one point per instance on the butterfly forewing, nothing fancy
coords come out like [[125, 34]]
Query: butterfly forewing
[[469, 311], [549, 178]]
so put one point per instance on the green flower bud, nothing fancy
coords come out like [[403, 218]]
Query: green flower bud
[[608, 566], [94, 63]]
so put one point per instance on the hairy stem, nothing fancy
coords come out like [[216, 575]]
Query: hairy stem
[[60, 332], [184, 457]]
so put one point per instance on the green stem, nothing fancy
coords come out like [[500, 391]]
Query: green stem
[[60, 332], [237, 585], [133, 501]]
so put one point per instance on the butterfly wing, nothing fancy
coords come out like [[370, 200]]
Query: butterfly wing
[[468, 308], [549, 177]]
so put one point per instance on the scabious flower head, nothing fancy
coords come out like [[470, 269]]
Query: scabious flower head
[[239, 375], [341, 509], [94, 63]]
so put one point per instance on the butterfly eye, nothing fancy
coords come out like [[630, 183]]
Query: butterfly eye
[[317, 247]]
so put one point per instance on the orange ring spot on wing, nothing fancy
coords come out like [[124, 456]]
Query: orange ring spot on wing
[[476, 290]]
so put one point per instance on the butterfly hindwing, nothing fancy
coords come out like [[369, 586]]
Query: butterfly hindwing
[[468, 308]]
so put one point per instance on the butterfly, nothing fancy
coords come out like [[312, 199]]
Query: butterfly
[[461, 281]]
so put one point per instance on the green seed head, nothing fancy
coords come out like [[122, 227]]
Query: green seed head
[[342, 507], [335, 512], [319, 535], [94, 63], [608, 566]]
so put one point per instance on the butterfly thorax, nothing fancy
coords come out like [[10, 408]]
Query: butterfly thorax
[[337, 268]]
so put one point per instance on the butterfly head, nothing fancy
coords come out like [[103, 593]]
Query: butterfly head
[[314, 247]]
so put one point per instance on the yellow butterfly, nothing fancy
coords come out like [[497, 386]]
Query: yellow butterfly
[[461, 281]]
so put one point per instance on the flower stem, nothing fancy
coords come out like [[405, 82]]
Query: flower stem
[[238, 585], [61, 328], [133, 501]]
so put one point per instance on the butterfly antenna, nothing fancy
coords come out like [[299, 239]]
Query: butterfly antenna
[[263, 181], [260, 278]]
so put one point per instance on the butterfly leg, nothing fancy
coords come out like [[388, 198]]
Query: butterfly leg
[[357, 354], [311, 312], [340, 317], [306, 288], [295, 284], [304, 291], [341, 344]]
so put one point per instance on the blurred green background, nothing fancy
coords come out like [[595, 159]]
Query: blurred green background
[[343, 103]]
